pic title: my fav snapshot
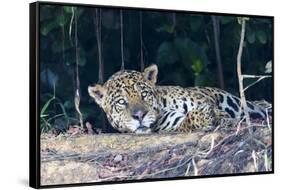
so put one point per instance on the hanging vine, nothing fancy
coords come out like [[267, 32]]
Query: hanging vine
[[122, 41], [77, 97], [141, 44], [97, 23], [97, 18], [216, 28]]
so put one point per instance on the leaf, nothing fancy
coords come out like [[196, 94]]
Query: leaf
[[46, 105], [205, 78], [62, 20], [58, 46], [197, 66], [226, 19], [251, 37], [261, 35], [110, 20], [166, 28], [167, 53], [268, 67], [46, 27], [199, 80], [68, 9], [82, 57], [196, 23], [44, 115], [63, 111], [68, 104], [48, 77], [190, 51]]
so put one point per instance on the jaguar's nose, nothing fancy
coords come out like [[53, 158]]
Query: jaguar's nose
[[139, 114]]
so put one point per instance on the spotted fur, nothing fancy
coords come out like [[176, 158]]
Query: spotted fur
[[134, 103]]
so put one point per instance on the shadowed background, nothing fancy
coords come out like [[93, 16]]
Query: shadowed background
[[189, 49]]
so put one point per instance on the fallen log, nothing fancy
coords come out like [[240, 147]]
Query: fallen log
[[114, 157]]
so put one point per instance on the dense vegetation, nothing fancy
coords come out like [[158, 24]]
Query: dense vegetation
[[190, 49]]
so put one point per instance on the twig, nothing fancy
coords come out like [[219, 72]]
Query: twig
[[187, 169], [194, 167], [239, 125], [259, 142], [211, 147], [71, 22], [255, 82], [265, 160], [255, 76], [255, 160], [223, 140], [77, 105], [54, 117], [267, 118], [152, 174]]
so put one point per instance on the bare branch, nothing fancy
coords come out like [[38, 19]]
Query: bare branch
[[267, 118], [194, 167], [71, 23], [265, 160], [243, 106], [255, 76], [239, 125], [252, 84], [187, 169], [255, 160]]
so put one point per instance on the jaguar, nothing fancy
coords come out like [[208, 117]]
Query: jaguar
[[134, 103]]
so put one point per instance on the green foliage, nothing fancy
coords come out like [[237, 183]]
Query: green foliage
[[240, 19], [261, 36], [167, 53], [166, 28], [268, 67], [182, 45], [251, 37], [197, 66], [46, 116]]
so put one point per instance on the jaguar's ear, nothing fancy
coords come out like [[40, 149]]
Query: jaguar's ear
[[150, 73], [97, 92]]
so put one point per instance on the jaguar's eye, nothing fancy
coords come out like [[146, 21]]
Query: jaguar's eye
[[144, 94], [121, 102]]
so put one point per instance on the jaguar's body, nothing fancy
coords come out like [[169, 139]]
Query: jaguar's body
[[134, 103]]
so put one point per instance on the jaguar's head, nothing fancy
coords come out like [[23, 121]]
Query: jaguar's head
[[129, 100]]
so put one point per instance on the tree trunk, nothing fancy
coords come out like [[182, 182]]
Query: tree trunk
[[216, 28]]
